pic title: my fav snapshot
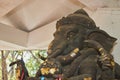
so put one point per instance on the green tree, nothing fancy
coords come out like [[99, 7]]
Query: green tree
[[32, 59]]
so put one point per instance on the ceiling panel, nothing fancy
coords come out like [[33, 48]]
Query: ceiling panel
[[34, 18], [8, 5]]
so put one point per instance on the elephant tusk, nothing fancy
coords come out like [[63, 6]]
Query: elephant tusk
[[74, 52]]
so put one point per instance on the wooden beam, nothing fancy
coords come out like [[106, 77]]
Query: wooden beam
[[8, 5]]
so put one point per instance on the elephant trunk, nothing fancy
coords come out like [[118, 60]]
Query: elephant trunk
[[55, 53], [56, 48]]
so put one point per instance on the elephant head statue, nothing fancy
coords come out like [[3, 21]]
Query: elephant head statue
[[73, 30], [76, 45]]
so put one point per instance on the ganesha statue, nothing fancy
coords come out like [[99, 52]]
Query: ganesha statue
[[83, 49], [79, 51]]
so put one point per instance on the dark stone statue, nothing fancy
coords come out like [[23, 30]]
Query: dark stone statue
[[80, 51], [83, 49]]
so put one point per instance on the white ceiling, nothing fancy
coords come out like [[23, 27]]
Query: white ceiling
[[29, 24]]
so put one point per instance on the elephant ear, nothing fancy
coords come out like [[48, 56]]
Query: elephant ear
[[103, 38]]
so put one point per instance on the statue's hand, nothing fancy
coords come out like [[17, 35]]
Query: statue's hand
[[106, 61]]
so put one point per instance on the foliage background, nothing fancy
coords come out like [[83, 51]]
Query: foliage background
[[32, 59]]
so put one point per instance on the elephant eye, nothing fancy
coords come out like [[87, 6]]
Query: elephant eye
[[70, 35]]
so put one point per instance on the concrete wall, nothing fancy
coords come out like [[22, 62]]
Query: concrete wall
[[108, 19]]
